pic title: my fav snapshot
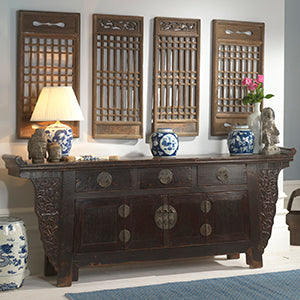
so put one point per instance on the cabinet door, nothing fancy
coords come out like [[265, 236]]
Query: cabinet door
[[230, 211], [192, 213], [144, 233], [98, 226]]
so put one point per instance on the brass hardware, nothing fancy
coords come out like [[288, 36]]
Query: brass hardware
[[165, 176], [206, 230], [124, 235], [205, 206], [104, 179], [165, 217], [222, 174], [124, 211]]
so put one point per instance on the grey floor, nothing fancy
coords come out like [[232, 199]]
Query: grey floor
[[138, 274]]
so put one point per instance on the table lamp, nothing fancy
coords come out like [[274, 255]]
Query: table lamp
[[58, 104]]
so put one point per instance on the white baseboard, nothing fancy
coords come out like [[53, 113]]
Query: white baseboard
[[280, 237]]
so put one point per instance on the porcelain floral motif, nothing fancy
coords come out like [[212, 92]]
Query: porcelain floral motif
[[13, 253]]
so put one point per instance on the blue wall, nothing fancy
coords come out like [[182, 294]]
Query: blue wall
[[292, 86]]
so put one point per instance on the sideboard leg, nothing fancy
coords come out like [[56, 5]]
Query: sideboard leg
[[75, 271], [48, 268], [65, 258], [254, 258], [64, 277]]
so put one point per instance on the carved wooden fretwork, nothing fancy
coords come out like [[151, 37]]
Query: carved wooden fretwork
[[123, 25], [48, 197], [117, 76], [268, 190], [178, 26], [48, 54], [238, 52], [176, 75]]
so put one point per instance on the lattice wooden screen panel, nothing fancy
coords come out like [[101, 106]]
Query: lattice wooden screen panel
[[117, 76], [48, 55], [238, 52], [176, 75]]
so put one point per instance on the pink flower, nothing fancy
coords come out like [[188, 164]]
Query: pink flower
[[260, 78], [246, 81], [252, 87]]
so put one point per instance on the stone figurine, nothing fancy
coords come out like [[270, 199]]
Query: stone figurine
[[37, 146], [54, 152], [270, 133]]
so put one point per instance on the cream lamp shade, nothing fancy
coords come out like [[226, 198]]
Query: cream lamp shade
[[58, 104]]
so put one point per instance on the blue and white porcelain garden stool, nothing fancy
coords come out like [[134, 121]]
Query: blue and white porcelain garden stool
[[13, 253]]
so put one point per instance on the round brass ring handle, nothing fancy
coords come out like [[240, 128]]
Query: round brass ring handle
[[206, 230], [205, 206], [222, 174], [165, 176], [124, 235], [124, 211], [165, 217], [104, 179]]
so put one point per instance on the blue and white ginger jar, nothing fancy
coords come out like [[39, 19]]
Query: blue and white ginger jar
[[62, 134], [164, 142], [240, 140], [13, 253]]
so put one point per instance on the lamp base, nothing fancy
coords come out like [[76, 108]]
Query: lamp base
[[62, 134]]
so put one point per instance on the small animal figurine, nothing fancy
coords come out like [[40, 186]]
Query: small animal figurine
[[54, 152], [37, 146], [270, 133]]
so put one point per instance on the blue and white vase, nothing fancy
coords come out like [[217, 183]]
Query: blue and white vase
[[164, 142], [240, 140], [13, 253], [62, 134]]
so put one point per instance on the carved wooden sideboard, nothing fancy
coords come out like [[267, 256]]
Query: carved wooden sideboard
[[97, 213]]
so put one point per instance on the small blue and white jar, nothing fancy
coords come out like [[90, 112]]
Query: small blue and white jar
[[164, 142], [13, 253], [240, 140]]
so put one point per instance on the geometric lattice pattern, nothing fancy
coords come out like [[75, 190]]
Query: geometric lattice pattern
[[235, 63], [117, 76], [174, 80], [48, 55], [176, 75], [237, 53], [47, 62]]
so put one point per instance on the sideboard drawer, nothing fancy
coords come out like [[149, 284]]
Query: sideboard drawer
[[222, 174], [103, 179], [165, 177]]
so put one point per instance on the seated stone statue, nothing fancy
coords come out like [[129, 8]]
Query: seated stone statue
[[270, 133]]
